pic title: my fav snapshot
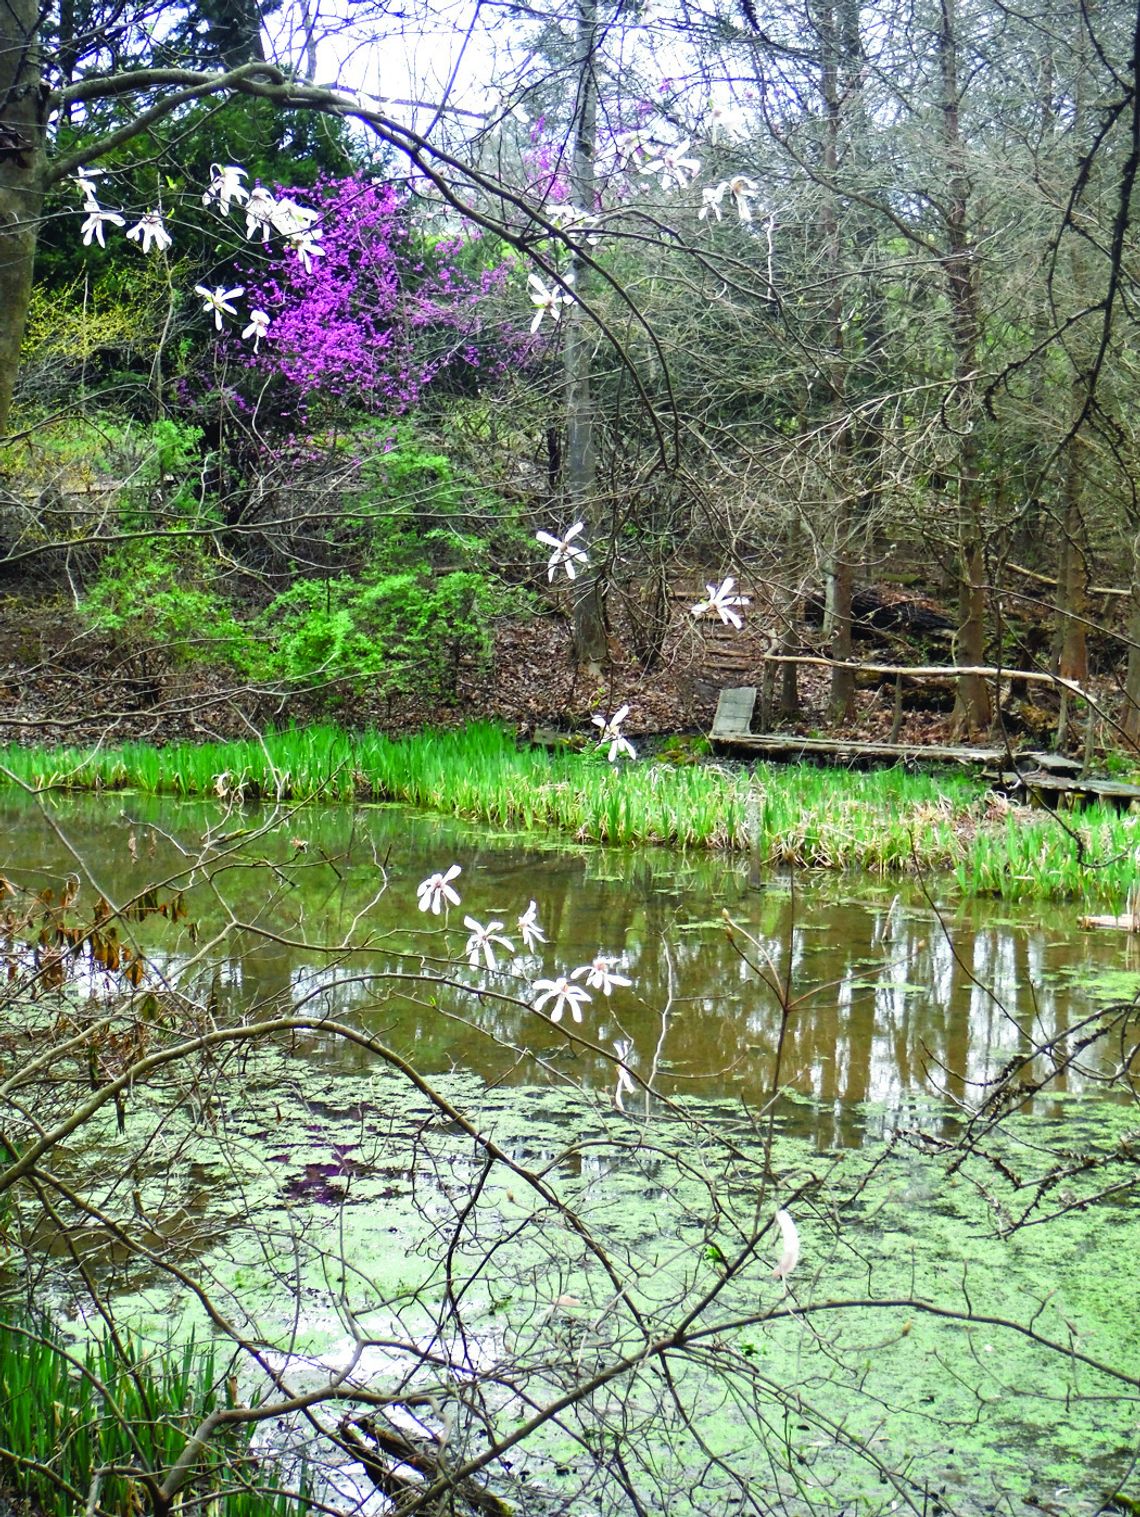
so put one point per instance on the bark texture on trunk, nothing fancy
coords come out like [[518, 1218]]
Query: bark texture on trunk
[[591, 643], [838, 572], [972, 708], [1130, 711], [21, 181]]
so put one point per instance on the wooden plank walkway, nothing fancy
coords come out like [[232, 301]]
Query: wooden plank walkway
[[789, 746], [731, 729], [1046, 775]]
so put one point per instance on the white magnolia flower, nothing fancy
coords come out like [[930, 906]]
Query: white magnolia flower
[[96, 221], [151, 229], [716, 115], [482, 941], [722, 601], [791, 1241], [572, 218], [218, 301], [611, 733], [304, 244], [289, 218], [711, 198], [260, 210], [600, 975], [564, 995], [225, 187], [635, 147], [623, 1048], [532, 933], [435, 892], [86, 179], [258, 326], [673, 166], [549, 302], [565, 552], [742, 189]]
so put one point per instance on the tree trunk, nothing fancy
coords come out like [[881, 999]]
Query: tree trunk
[[838, 574], [591, 645], [1071, 654], [1070, 645], [234, 30], [972, 711], [1130, 711], [22, 164]]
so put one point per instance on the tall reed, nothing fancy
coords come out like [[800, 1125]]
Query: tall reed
[[883, 820], [114, 1409]]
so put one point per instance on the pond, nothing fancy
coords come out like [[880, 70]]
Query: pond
[[929, 1085]]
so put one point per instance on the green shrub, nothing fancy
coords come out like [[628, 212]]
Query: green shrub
[[390, 631], [162, 593]]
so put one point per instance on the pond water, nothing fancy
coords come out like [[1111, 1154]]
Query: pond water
[[899, 989], [848, 1010]]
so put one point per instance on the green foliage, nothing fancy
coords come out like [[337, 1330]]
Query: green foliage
[[117, 1408], [155, 592], [394, 631], [421, 506]]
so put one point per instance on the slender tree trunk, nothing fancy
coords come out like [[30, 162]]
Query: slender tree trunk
[[1070, 645], [972, 712], [789, 703], [838, 572], [1130, 711], [1071, 655], [235, 30], [21, 181], [591, 646]]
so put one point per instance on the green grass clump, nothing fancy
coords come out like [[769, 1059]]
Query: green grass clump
[[67, 1414], [887, 821]]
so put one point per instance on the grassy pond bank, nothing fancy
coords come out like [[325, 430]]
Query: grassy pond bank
[[884, 821], [936, 1087]]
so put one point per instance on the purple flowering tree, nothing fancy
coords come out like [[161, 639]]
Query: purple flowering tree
[[379, 314]]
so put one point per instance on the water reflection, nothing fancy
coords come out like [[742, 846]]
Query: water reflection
[[893, 993]]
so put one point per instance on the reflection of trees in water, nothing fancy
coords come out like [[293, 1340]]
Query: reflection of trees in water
[[887, 998]]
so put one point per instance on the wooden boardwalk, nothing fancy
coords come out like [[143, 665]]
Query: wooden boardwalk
[[1048, 775]]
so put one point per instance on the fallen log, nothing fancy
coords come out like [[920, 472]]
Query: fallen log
[[401, 1468]]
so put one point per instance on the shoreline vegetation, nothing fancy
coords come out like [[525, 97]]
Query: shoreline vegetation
[[884, 822], [82, 1421]]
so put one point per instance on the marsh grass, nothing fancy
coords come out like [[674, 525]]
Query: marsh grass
[[886, 821], [115, 1409]]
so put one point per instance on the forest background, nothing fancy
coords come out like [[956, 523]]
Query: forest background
[[491, 390], [833, 298]]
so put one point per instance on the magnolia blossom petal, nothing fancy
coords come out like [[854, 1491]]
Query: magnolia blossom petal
[[742, 189], [600, 975], [722, 602], [218, 301], [435, 892], [225, 186], [674, 167], [96, 221], [481, 943], [532, 933], [611, 733], [791, 1242], [259, 324], [150, 228], [564, 994], [304, 244], [260, 210], [566, 553]]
